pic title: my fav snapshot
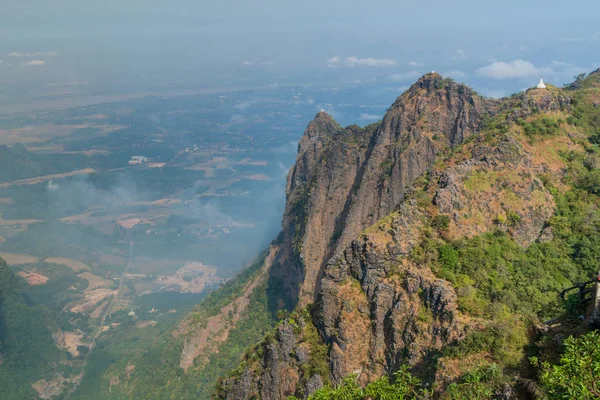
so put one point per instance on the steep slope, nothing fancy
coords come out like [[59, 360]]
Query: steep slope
[[437, 239], [463, 261], [27, 348], [206, 344], [333, 166], [344, 180]]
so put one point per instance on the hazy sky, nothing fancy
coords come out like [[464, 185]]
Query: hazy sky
[[132, 45]]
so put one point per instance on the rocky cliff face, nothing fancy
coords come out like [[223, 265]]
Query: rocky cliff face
[[360, 202], [345, 179]]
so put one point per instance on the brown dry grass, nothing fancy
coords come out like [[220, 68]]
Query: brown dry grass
[[76, 266], [72, 340], [94, 281], [43, 132], [40, 179], [12, 222], [18, 259]]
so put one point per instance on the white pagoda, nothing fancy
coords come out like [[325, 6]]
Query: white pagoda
[[541, 85]]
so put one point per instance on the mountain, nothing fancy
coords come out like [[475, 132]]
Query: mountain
[[428, 248], [345, 180], [27, 348]]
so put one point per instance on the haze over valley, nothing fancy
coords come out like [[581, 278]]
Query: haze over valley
[[310, 200]]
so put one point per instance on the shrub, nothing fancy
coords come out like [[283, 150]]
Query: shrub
[[441, 222], [578, 374]]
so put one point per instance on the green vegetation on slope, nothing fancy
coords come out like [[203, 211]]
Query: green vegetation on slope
[[507, 289], [157, 374], [27, 350], [578, 374], [403, 386]]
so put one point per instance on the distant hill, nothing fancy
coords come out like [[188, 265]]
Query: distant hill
[[16, 162], [27, 348]]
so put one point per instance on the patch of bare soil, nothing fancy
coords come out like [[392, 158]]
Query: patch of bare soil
[[33, 278], [72, 340], [48, 389], [145, 324], [91, 299], [131, 222]]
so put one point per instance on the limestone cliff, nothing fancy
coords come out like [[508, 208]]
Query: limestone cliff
[[345, 179], [364, 204]]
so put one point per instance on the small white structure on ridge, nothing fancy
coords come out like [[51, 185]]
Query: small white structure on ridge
[[541, 85]]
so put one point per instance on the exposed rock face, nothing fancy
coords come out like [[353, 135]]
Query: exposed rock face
[[371, 320], [375, 309], [344, 180], [536, 100]]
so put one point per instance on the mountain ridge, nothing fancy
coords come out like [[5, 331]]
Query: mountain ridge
[[381, 303], [436, 239]]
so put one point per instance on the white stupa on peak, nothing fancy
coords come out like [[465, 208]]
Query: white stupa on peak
[[541, 85]]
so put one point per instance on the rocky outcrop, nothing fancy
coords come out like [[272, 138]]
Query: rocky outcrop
[[533, 101], [376, 312], [356, 212], [496, 186], [344, 180]]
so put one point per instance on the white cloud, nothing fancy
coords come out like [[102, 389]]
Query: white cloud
[[404, 76], [456, 74], [460, 54], [370, 117], [350, 62], [415, 64], [567, 70], [242, 105], [511, 70], [238, 119], [37, 54], [525, 69], [34, 62], [371, 62], [571, 39], [246, 62]]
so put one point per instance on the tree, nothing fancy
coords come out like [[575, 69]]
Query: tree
[[578, 374]]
